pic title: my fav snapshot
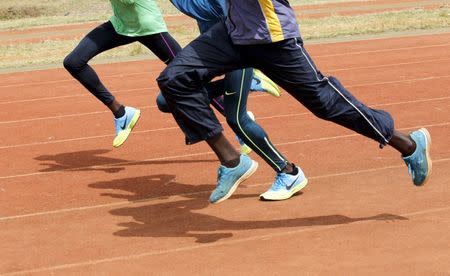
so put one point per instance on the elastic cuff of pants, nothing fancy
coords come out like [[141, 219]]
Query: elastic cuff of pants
[[384, 142], [282, 168], [194, 140]]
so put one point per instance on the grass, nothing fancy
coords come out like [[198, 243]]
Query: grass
[[66, 11], [26, 13], [14, 12], [16, 55], [53, 51], [397, 21]]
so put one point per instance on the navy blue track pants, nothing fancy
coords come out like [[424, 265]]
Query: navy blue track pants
[[287, 63]]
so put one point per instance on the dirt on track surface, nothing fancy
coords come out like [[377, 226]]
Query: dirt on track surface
[[71, 205], [74, 31]]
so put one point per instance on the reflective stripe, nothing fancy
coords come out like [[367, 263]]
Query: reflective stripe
[[340, 94], [245, 134]]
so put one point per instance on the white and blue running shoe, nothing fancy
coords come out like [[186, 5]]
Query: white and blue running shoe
[[285, 186], [125, 124]]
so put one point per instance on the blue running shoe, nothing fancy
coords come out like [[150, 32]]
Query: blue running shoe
[[419, 162], [229, 178], [285, 186], [125, 124], [261, 82]]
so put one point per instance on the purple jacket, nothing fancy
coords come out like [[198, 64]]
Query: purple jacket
[[261, 21]]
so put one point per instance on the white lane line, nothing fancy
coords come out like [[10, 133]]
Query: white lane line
[[86, 94], [398, 81], [143, 200], [158, 70], [85, 138], [434, 61], [153, 106], [412, 101], [107, 111], [172, 128], [354, 135], [43, 99], [68, 115], [109, 164], [205, 153], [53, 117], [212, 245], [74, 81], [152, 87], [402, 49]]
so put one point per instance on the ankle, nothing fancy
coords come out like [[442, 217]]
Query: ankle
[[231, 163], [119, 112], [411, 149], [290, 169]]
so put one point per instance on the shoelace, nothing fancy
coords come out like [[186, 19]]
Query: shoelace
[[410, 170], [279, 180], [219, 175]]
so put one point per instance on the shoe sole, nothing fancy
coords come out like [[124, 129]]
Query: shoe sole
[[241, 179], [276, 94], [272, 84], [296, 189], [133, 122], [427, 152]]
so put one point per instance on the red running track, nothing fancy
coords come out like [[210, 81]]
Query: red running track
[[70, 204]]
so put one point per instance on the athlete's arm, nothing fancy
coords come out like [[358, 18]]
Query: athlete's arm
[[206, 10]]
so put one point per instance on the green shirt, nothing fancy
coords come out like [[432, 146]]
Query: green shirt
[[137, 17]]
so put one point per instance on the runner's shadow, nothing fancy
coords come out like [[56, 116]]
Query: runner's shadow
[[94, 160], [185, 218], [148, 187]]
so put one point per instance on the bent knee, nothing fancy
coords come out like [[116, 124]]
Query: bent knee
[[174, 80], [72, 63], [164, 81], [162, 103]]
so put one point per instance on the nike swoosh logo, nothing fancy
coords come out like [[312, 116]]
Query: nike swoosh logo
[[258, 81], [124, 124], [229, 93], [288, 187]]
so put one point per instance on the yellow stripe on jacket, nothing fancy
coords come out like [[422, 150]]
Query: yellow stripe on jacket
[[272, 20]]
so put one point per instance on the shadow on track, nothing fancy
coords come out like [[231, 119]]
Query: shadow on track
[[94, 160], [182, 215]]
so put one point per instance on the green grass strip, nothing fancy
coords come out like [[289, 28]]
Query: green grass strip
[[54, 51], [31, 13], [397, 21]]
